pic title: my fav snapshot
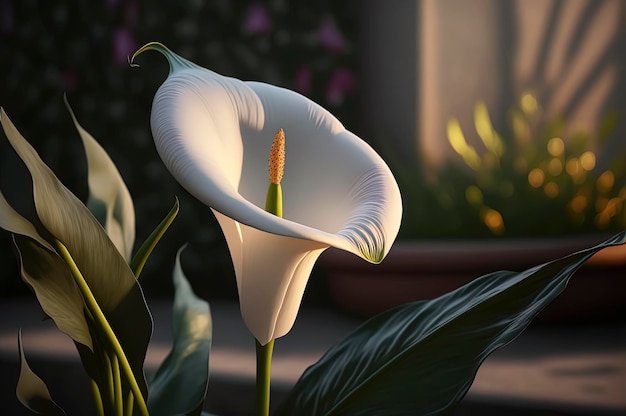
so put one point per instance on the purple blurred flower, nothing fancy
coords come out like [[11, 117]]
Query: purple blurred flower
[[303, 79], [329, 35], [341, 82], [123, 45], [257, 20], [7, 18]]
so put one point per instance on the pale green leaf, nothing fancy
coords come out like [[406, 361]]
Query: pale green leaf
[[58, 295], [13, 222], [146, 248], [421, 358], [179, 386], [31, 390], [109, 199], [105, 270]]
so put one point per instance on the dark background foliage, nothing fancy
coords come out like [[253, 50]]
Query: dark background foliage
[[48, 48]]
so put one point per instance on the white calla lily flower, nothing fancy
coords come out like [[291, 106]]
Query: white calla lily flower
[[214, 134]]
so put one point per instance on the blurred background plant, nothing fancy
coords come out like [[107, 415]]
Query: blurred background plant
[[81, 47], [532, 180]]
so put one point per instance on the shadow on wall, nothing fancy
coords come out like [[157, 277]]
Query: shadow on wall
[[426, 61]]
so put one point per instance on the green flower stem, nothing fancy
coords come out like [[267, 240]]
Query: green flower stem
[[105, 327], [97, 397], [273, 205], [130, 404], [107, 370], [274, 199], [263, 376], [117, 386]]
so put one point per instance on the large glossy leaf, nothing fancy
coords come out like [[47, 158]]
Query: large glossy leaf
[[179, 386], [103, 267], [421, 358], [31, 390], [109, 199]]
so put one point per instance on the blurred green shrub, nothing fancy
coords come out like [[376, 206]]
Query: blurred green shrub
[[533, 180]]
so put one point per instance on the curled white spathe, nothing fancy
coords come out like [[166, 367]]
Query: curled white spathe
[[214, 134]]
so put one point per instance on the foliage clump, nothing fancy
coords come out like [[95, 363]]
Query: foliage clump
[[533, 180]]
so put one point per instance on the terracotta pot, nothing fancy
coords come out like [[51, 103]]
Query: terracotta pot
[[424, 270]]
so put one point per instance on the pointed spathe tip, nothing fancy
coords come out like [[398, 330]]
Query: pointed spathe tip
[[175, 61], [155, 46]]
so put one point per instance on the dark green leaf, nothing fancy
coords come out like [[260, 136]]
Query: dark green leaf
[[32, 391], [421, 358], [146, 248], [179, 386]]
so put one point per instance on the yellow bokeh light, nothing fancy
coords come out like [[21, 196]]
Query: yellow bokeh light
[[614, 206], [555, 167], [556, 147], [605, 182], [588, 161], [536, 177], [551, 190], [579, 203], [528, 103], [474, 195], [493, 220], [572, 167]]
